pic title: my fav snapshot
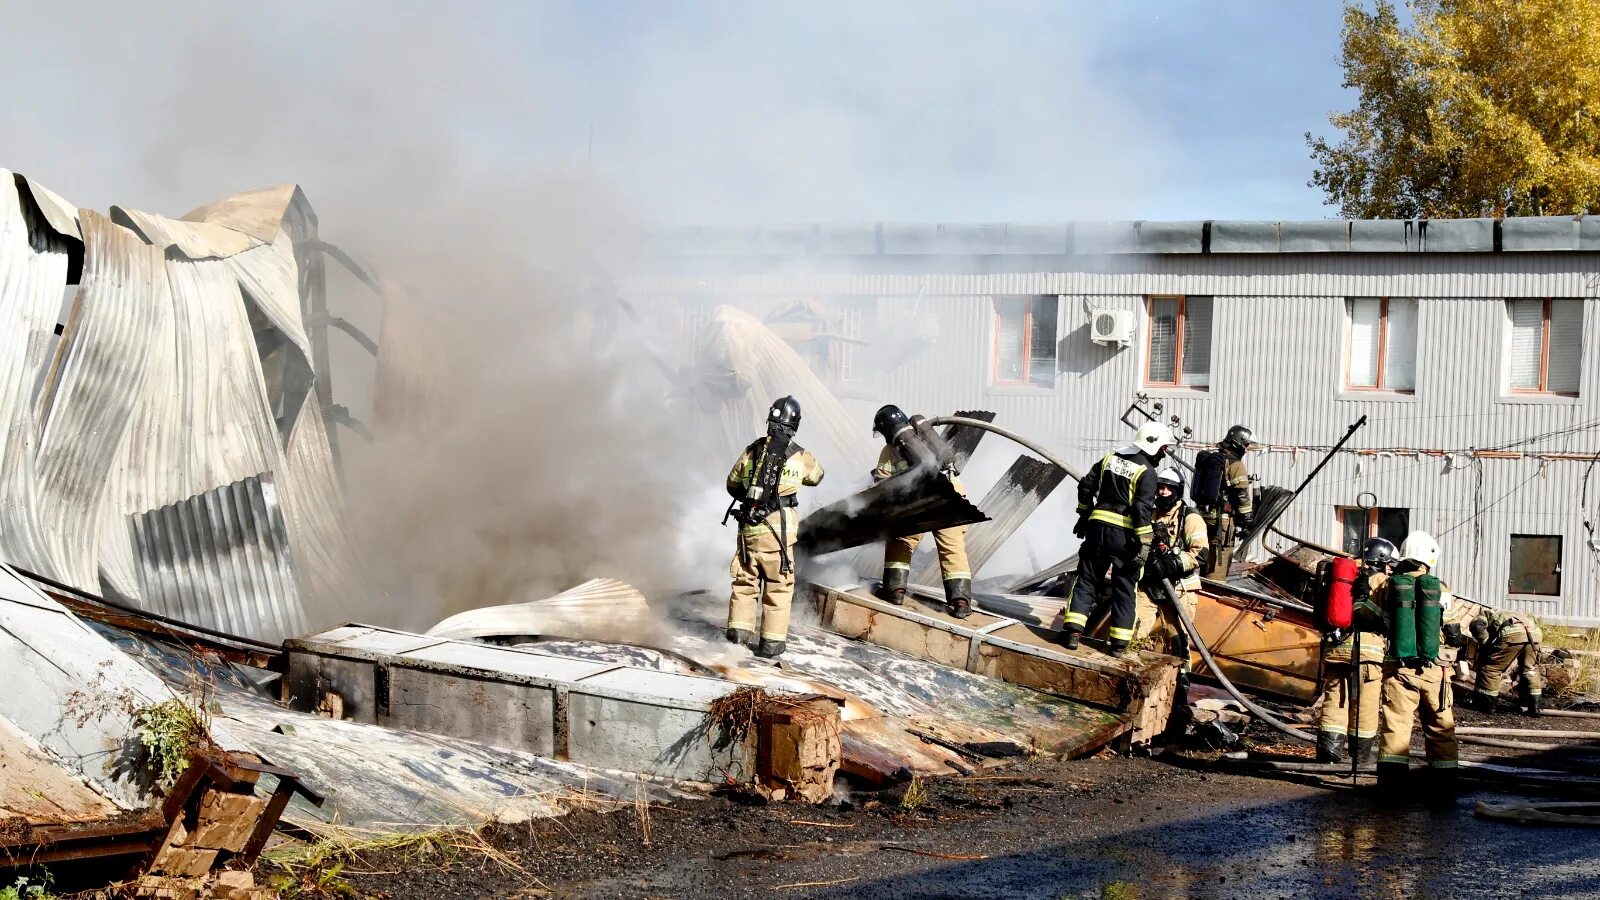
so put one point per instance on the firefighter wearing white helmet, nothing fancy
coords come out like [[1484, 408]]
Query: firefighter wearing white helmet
[[1115, 502], [1413, 681]]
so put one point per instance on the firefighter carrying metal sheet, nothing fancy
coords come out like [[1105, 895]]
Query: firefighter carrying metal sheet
[[1503, 640], [1116, 500], [1354, 726], [764, 484], [1415, 679], [906, 447], [1178, 552]]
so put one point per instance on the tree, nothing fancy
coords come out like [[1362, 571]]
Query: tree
[[1478, 108]]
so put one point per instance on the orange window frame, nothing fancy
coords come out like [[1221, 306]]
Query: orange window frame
[[1025, 379], [1177, 339], [1383, 350], [1544, 358]]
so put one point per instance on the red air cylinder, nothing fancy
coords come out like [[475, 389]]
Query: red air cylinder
[[1344, 572]]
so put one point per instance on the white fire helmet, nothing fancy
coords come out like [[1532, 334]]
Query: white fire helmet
[[1153, 437], [1421, 547]]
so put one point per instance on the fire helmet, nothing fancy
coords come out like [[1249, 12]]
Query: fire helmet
[[1172, 479], [1419, 546], [1239, 439], [890, 421], [785, 413], [1154, 439], [1378, 552]]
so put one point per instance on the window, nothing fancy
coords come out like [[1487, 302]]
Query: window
[[1546, 347], [1535, 564], [1179, 346], [1383, 344], [1358, 525], [1025, 340]]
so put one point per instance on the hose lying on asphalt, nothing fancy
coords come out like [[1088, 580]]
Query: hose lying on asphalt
[[1205, 654]]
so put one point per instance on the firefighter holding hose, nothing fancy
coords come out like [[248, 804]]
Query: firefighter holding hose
[[1415, 679], [1346, 725], [1179, 544], [764, 484]]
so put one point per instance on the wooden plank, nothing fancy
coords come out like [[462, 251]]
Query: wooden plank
[[1142, 686]]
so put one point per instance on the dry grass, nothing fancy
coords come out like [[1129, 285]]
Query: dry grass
[[1579, 674], [916, 794], [641, 808], [347, 846], [738, 713]]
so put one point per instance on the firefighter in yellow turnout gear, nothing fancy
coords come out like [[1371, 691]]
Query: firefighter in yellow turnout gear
[[1503, 640], [900, 439], [1417, 686], [1343, 727], [764, 489], [1116, 500], [1178, 553]]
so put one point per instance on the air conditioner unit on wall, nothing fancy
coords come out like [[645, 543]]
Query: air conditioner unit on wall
[[1112, 326]]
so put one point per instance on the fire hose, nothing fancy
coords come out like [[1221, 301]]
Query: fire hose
[[1172, 596]]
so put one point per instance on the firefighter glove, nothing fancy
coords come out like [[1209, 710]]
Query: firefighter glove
[[1453, 636], [1082, 528], [1141, 555]]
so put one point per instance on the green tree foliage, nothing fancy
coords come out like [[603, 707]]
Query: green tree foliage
[[1477, 108]]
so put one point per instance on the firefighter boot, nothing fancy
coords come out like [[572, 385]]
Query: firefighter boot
[[1393, 780], [958, 594], [1531, 704], [770, 649], [1116, 649], [1330, 747], [741, 637], [894, 585], [1069, 638], [1442, 789], [1365, 749]]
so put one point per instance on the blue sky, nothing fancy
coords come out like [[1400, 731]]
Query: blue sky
[[718, 112]]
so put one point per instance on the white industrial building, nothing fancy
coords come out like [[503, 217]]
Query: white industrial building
[[1463, 342]]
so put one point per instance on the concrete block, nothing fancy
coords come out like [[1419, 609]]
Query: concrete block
[[500, 714], [309, 677], [1244, 237], [233, 885], [799, 749], [226, 821], [1529, 233], [611, 733]]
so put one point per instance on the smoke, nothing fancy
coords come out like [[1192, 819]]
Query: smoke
[[483, 158]]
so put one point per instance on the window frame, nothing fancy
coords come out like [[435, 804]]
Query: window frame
[[1178, 336], [1380, 375], [1371, 530], [1559, 573], [1543, 390], [1026, 379]]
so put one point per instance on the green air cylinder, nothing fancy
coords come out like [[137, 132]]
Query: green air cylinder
[[1403, 599], [1430, 617]]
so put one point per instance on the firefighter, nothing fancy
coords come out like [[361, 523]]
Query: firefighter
[[1222, 483], [899, 438], [1415, 684], [1178, 550], [1340, 728], [1115, 503], [1504, 639], [764, 492]]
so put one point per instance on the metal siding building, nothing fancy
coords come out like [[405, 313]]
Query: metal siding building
[[1279, 333]]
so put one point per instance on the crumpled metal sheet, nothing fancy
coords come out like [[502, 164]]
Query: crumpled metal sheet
[[221, 559], [60, 214], [93, 390], [33, 277], [257, 213], [195, 240], [587, 609], [270, 279], [327, 559]]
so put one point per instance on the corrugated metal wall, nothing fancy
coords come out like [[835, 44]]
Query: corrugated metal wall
[[1277, 364]]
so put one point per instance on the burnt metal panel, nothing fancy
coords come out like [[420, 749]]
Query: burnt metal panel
[[221, 559], [1008, 504], [913, 502], [1383, 235], [1457, 235], [1105, 237], [1244, 237], [963, 439], [1539, 233], [1331, 236], [1169, 237]]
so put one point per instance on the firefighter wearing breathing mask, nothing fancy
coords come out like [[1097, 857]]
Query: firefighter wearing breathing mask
[[1416, 681], [1501, 640], [764, 484], [904, 449], [1116, 501], [1346, 725], [1179, 544]]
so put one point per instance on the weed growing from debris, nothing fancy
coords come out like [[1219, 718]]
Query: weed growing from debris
[[915, 796], [25, 888], [170, 731], [317, 869], [1580, 672]]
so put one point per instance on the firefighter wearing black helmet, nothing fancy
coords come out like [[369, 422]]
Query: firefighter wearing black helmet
[[1222, 485], [1178, 548], [1353, 727], [905, 449], [764, 484]]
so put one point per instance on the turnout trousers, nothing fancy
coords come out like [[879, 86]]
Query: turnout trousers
[[759, 579], [1105, 561], [1406, 693]]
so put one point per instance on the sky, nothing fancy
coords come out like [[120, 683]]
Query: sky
[[687, 112]]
